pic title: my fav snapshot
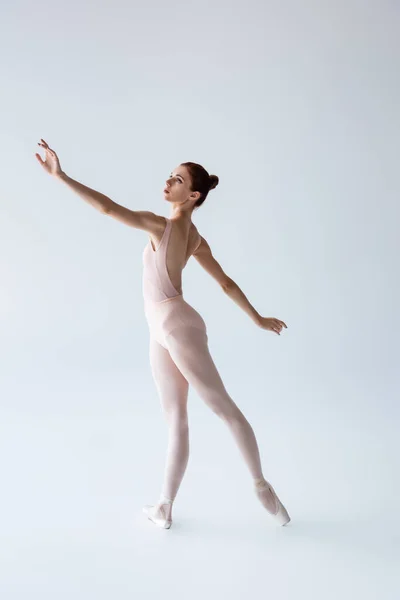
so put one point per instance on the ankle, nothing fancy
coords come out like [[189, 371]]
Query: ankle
[[260, 482], [165, 500]]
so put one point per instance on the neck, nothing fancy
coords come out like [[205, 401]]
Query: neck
[[183, 216]]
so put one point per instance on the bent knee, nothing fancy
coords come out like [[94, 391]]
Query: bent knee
[[225, 408]]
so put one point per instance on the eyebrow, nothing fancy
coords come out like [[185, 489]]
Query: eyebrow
[[179, 176]]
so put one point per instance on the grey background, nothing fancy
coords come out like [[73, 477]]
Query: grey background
[[294, 105]]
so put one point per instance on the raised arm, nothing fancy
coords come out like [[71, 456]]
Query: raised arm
[[205, 258], [139, 219], [143, 219]]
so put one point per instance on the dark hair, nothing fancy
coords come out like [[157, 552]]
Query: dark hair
[[201, 181]]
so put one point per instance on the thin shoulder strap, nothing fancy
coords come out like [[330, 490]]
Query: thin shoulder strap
[[195, 250], [166, 232]]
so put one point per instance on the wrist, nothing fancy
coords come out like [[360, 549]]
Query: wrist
[[257, 319]]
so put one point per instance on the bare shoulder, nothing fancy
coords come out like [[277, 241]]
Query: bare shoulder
[[197, 237], [139, 219], [202, 246], [194, 236]]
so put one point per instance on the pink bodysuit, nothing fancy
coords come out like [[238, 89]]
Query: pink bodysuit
[[179, 356], [165, 308]]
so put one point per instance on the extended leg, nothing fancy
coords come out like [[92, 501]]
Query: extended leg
[[188, 348]]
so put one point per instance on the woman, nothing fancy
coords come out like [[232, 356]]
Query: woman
[[179, 353]]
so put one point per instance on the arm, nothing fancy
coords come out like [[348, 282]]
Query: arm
[[205, 258], [99, 201], [146, 220], [140, 219], [235, 293]]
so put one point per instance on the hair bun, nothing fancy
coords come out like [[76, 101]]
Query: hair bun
[[214, 180]]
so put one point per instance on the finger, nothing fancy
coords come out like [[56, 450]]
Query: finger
[[46, 147], [43, 163], [47, 150]]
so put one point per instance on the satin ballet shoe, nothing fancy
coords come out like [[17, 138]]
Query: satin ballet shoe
[[157, 515], [280, 513]]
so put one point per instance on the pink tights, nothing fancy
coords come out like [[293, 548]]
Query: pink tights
[[179, 357]]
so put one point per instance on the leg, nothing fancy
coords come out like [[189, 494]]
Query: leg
[[172, 389], [188, 347]]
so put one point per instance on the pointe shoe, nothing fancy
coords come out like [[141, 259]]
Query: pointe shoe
[[280, 514], [157, 515]]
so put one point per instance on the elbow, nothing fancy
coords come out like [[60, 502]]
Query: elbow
[[227, 283], [106, 208]]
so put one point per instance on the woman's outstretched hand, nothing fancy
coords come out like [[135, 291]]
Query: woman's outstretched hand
[[272, 324], [51, 164]]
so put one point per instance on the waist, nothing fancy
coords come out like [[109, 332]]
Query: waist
[[171, 313], [151, 306], [149, 301], [161, 308]]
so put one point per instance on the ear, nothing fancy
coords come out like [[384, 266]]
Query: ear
[[195, 196]]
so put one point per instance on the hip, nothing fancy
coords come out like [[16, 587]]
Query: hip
[[164, 316]]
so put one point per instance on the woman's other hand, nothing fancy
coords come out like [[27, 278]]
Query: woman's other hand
[[51, 164], [272, 324]]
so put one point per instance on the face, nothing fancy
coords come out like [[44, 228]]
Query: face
[[177, 188]]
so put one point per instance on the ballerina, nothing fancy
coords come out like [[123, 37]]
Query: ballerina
[[179, 353]]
